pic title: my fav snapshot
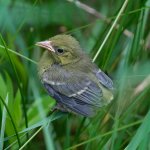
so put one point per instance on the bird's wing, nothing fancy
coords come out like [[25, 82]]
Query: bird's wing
[[83, 90], [104, 79], [81, 94], [71, 103]]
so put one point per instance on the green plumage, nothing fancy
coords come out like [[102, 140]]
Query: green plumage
[[69, 76]]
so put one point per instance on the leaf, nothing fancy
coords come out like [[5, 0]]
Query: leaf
[[17, 107], [144, 130]]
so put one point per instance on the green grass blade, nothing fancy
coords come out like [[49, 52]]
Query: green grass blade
[[12, 121], [18, 82], [20, 55], [46, 130], [4, 113], [111, 29], [105, 134], [143, 131]]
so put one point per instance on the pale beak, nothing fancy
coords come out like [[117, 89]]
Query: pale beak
[[46, 44]]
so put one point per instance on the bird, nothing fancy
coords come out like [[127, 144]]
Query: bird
[[69, 76]]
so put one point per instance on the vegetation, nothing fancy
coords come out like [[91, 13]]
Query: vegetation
[[120, 40]]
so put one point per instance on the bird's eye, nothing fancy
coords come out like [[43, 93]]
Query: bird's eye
[[60, 50]]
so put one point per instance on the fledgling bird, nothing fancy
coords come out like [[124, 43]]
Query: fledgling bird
[[70, 77]]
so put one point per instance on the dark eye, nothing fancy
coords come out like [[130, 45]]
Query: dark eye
[[60, 50]]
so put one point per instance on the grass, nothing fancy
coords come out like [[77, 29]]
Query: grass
[[115, 36]]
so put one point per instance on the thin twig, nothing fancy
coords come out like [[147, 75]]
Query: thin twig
[[97, 14], [143, 85]]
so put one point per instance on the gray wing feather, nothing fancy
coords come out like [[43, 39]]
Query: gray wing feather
[[72, 103], [85, 91], [104, 79], [80, 94]]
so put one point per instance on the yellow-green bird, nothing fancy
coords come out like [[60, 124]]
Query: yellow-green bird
[[70, 77]]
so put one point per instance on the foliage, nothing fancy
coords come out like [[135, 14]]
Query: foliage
[[25, 116]]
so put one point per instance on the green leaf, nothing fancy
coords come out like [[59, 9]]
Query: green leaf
[[143, 131], [17, 107]]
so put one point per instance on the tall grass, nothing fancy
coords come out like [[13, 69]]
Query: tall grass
[[115, 33]]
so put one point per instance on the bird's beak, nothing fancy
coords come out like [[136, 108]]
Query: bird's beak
[[46, 44]]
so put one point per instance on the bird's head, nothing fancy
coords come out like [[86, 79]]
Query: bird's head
[[62, 49]]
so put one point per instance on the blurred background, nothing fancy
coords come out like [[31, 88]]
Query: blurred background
[[26, 119]]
